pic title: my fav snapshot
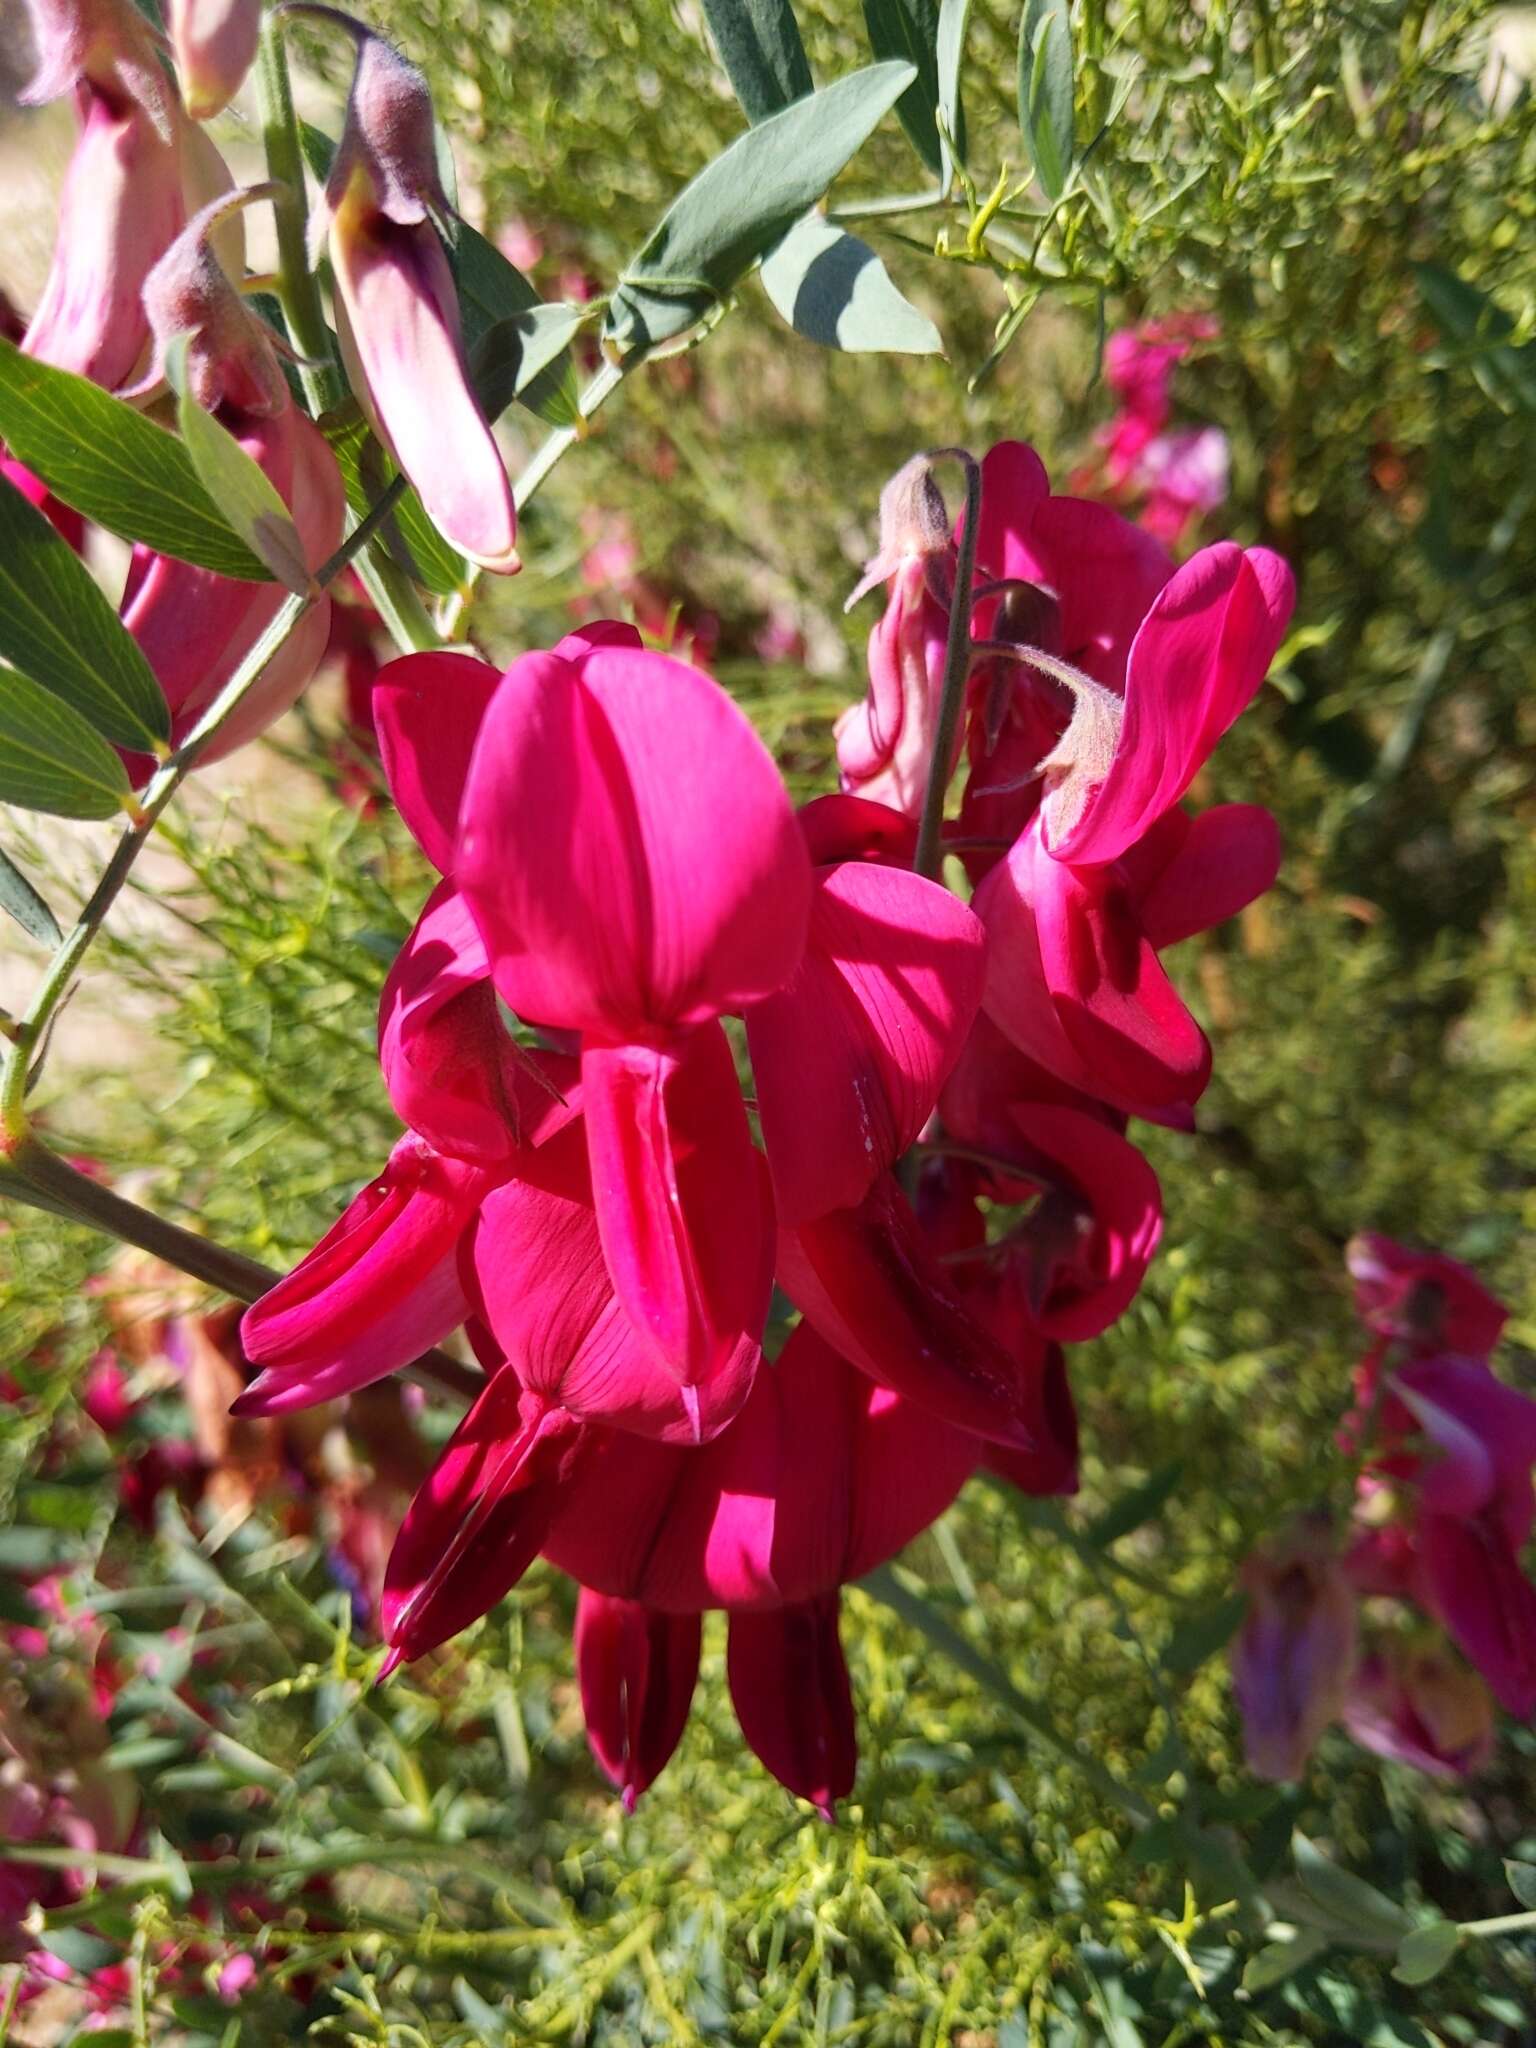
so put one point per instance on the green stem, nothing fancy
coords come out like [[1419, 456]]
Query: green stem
[[957, 665], [297, 288], [84, 1200], [1504, 1923]]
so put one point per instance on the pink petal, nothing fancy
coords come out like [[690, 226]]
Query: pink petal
[[1197, 661], [427, 710], [685, 891], [637, 1670], [1106, 573], [849, 1056], [1014, 486], [682, 1205], [885, 744], [1422, 1298], [401, 316], [453, 1071], [1050, 1467], [789, 1686], [214, 43], [535, 1268], [476, 1524], [866, 1281], [842, 827], [1224, 860], [1473, 1584], [1483, 1435], [990, 1079], [381, 1287]]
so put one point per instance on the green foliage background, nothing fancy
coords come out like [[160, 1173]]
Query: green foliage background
[[1285, 165]]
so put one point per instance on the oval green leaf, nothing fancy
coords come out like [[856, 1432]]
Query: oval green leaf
[[1522, 1882], [21, 900], [1356, 1908], [241, 489], [490, 290], [1045, 92], [744, 202], [760, 47], [512, 353], [833, 289], [118, 468], [1423, 1954], [50, 760], [57, 626]]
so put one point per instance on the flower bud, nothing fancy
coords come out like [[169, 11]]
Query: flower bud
[[214, 43], [1292, 1658]]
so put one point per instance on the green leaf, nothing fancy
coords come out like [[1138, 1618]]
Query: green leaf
[[241, 488], [50, 760], [909, 29], [744, 202], [492, 2026], [491, 290], [1425, 1952], [761, 50], [1470, 318], [1281, 1959], [56, 624], [366, 473], [833, 288], [1199, 1636], [1354, 1906], [949, 56], [1045, 92], [1133, 1508], [1522, 1882], [115, 466], [21, 900], [82, 1951], [511, 353]]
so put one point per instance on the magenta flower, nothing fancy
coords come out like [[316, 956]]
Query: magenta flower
[[396, 306], [196, 627], [1418, 1706], [631, 859], [1422, 1299], [1179, 474], [1294, 1655]]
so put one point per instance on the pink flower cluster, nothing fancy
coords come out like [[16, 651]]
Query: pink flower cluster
[[1444, 1507], [581, 1186], [1173, 476]]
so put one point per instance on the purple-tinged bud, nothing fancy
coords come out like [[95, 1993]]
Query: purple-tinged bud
[[1420, 1706], [914, 526], [397, 312], [1292, 1659], [214, 42], [231, 354]]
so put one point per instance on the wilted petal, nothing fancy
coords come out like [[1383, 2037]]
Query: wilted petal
[[476, 1525], [427, 711], [1294, 1654], [1418, 1707], [637, 1670], [682, 1204], [535, 1264], [789, 1686], [849, 1056], [873, 1290], [627, 847], [1200, 655], [381, 1287]]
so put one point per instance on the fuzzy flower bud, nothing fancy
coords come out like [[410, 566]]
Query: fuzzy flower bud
[[214, 42]]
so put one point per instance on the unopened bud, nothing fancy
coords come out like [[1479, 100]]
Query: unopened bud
[[214, 43], [231, 359], [914, 525]]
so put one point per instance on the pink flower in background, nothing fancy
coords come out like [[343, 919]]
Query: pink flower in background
[[1294, 1655], [1176, 476], [1417, 1705], [1422, 1299]]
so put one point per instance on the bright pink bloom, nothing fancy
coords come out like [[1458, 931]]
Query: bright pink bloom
[[638, 1669], [849, 1056], [1422, 1299], [214, 42], [885, 745], [1182, 473], [381, 1287], [1186, 475], [631, 859], [1293, 1656], [66, 522], [1417, 1706], [397, 308], [196, 627]]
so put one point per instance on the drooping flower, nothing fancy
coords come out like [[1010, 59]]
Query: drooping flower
[[195, 626], [396, 305], [1294, 1655], [139, 166], [1422, 1299], [630, 857]]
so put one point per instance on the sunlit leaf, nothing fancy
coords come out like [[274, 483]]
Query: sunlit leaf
[[241, 488], [50, 759], [833, 288], [760, 47]]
